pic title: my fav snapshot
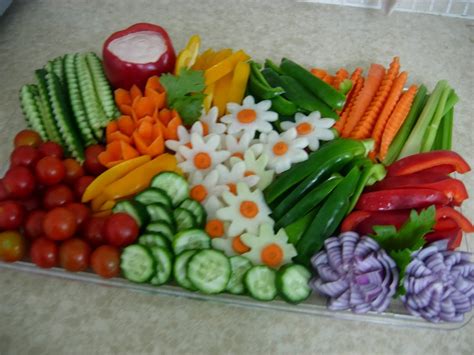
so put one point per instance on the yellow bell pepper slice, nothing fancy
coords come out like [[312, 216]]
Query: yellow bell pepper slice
[[224, 67], [209, 92], [202, 59], [239, 82], [221, 93], [102, 213], [218, 57], [108, 205], [187, 57], [111, 175]]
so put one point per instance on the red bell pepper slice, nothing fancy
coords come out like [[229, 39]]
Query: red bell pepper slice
[[352, 220], [382, 218], [445, 224], [453, 235], [400, 199], [422, 161], [461, 220], [444, 169], [410, 180]]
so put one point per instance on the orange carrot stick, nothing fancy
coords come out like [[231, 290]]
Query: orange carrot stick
[[319, 73], [359, 84], [340, 76], [398, 116], [122, 97], [390, 103], [362, 101], [364, 127], [356, 87]]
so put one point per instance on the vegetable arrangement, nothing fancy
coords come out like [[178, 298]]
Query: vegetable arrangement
[[221, 174]]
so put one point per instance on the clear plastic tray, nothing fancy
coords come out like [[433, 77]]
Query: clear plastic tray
[[314, 306]]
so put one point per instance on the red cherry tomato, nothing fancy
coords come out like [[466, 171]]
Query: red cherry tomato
[[3, 191], [105, 261], [44, 253], [80, 211], [57, 196], [24, 155], [81, 185], [11, 215], [121, 230], [33, 227], [74, 255], [32, 203], [92, 164], [50, 170], [59, 224], [94, 231], [27, 137], [51, 149], [12, 246], [74, 170], [19, 182]]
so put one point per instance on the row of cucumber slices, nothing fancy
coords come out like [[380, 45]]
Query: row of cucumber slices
[[70, 103]]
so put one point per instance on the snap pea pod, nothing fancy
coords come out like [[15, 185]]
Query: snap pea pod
[[260, 86], [328, 218], [308, 202], [271, 65], [316, 86]]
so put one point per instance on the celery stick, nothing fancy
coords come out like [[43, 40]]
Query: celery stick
[[439, 136], [447, 129], [402, 135], [414, 141], [430, 133], [452, 100]]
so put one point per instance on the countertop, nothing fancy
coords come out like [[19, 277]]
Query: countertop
[[41, 315]]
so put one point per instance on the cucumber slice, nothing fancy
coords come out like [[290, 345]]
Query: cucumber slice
[[184, 219], [260, 282], [173, 184], [292, 282], [164, 265], [159, 212], [180, 269], [196, 209], [154, 239], [137, 263], [162, 227], [191, 239], [134, 209], [30, 105], [154, 195], [239, 266], [209, 271]]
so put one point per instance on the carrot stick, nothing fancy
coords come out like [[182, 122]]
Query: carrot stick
[[319, 73], [390, 103], [398, 116], [122, 97], [126, 125], [362, 101], [367, 122], [328, 79], [340, 76], [339, 126]]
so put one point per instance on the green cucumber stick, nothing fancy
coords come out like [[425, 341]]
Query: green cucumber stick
[[416, 137], [430, 133], [396, 146], [447, 130]]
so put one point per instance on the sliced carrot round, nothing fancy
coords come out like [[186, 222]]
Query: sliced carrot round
[[199, 193], [272, 255], [248, 209], [239, 246], [249, 173], [280, 148], [232, 188], [304, 128], [215, 228], [202, 160], [205, 128], [239, 155], [247, 115]]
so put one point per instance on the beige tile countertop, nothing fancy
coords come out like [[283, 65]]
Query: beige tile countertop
[[41, 315]]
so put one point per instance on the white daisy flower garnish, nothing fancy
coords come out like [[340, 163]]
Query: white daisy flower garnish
[[202, 186], [284, 149], [237, 146], [215, 227], [237, 173], [203, 154], [256, 166], [245, 211], [209, 122], [184, 137], [268, 248], [230, 245], [312, 127], [249, 116]]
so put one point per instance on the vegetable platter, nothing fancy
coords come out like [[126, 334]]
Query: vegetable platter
[[209, 174]]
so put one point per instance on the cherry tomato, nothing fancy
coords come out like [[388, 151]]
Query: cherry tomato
[[24, 155], [81, 185], [74, 170], [19, 182], [44, 253], [59, 224], [51, 149], [120, 230], [57, 196], [74, 255], [50, 170], [80, 211], [27, 137], [33, 227], [105, 261], [3, 191], [12, 246], [32, 203], [92, 164], [11, 215], [94, 231]]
